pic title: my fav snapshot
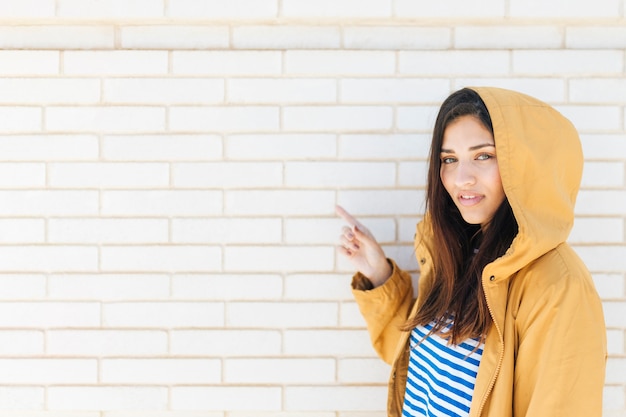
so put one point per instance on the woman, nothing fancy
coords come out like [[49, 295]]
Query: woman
[[507, 321]]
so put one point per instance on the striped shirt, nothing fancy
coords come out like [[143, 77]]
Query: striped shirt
[[441, 378]]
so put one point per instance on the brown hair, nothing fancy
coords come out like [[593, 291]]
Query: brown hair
[[457, 293]]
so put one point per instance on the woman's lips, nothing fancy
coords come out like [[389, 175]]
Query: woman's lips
[[469, 199]]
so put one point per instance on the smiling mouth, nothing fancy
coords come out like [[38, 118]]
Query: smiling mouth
[[469, 200]]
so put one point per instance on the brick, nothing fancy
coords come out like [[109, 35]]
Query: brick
[[174, 37], [563, 9], [22, 175], [603, 174], [227, 230], [615, 342], [322, 287], [48, 147], [601, 91], [27, 9], [108, 230], [106, 342], [108, 286], [412, 174], [163, 91], [384, 146], [49, 91], [350, 316], [49, 258], [280, 146], [227, 62], [29, 62], [23, 398], [407, 228], [616, 371], [282, 91], [281, 315], [161, 258], [227, 343], [613, 398], [21, 343], [310, 230], [49, 314], [420, 118], [392, 37], [165, 414], [405, 90], [449, 9], [603, 146], [161, 371], [224, 119], [163, 314], [20, 119], [508, 37], [392, 202], [220, 287], [363, 370], [604, 259], [601, 202], [48, 371], [111, 9], [161, 203], [108, 175], [567, 62], [279, 202], [48, 203], [336, 9], [161, 147], [340, 62], [118, 119], [337, 118], [336, 398], [215, 9], [226, 398], [278, 258], [594, 37], [228, 175], [56, 37], [328, 342], [107, 398], [286, 37], [597, 230], [115, 62], [285, 414], [22, 286], [339, 174], [614, 312], [453, 62], [279, 371], [546, 89], [593, 118]]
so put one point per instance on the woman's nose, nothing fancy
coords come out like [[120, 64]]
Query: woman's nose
[[465, 174]]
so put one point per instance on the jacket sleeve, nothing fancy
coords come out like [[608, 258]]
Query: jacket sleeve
[[561, 356], [385, 308]]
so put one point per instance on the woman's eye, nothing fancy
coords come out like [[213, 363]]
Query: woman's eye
[[484, 156], [447, 160]]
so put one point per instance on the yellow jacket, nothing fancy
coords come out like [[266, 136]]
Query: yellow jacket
[[545, 353]]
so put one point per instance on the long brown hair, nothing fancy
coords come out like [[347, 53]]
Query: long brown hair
[[460, 251]]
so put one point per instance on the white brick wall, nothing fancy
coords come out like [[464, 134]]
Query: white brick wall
[[168, 176]]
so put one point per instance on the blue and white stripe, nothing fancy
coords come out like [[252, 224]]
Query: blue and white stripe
[[441, 377]]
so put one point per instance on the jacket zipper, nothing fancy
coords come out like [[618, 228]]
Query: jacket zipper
[[500, 359]]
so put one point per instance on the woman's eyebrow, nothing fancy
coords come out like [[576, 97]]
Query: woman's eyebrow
[[473, 148]]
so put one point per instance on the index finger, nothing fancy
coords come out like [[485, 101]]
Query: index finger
[[346, 216]]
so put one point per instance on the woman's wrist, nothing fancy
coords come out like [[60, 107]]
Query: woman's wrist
[[382, 274]]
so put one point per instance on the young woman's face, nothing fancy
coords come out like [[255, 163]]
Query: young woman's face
[[469, 170]]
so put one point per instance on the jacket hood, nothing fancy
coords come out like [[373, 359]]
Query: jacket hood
[[540, 161]]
